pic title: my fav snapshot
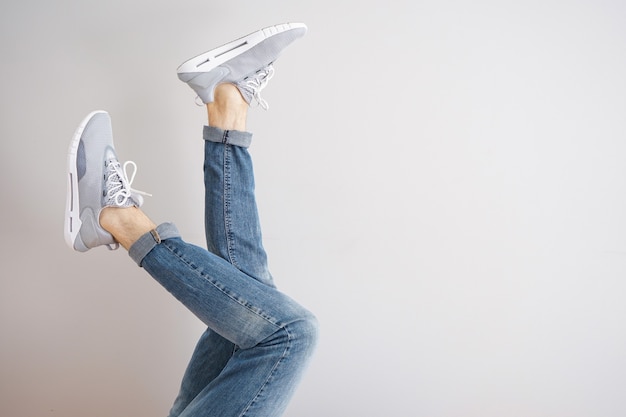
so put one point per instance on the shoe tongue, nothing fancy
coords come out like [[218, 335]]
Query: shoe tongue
[[251, 86], [245, 91], [122, 199]]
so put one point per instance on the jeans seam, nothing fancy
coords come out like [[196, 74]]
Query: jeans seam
[[230, 241]]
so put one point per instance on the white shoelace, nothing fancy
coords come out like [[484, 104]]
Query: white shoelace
[[258, 82], [118, 186]]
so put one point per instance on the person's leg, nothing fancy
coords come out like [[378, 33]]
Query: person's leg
[[227, 79], [231, 220], [232, 226], [233, 229], [274, 335]]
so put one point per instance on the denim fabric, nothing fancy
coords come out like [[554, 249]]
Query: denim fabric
[[258, 340], [232, 225], [148, 241]]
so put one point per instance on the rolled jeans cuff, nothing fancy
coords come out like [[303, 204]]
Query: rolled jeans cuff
[[148, 241], [228, 137]]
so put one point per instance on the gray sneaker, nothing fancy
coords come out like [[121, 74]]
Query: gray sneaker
[[96, 180], [245, 62]]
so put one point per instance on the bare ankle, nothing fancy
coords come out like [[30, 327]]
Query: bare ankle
[[229, 110], [125, 224]]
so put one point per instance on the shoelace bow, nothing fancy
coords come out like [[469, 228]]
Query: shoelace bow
[[118, 186]]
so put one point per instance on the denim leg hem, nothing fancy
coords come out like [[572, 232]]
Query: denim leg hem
[[148, 241], [228, 137]]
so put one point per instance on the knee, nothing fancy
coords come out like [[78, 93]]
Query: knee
[[304, 334]]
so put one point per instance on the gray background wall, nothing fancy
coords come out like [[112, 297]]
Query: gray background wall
[[442, 182]]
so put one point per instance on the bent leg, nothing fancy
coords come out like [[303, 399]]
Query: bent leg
[[274, 335], [231, 223]]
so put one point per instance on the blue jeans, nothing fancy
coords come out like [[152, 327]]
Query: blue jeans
[[258, 341]]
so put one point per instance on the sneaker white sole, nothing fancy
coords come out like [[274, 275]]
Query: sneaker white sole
[[209, 60], [72, 204]]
